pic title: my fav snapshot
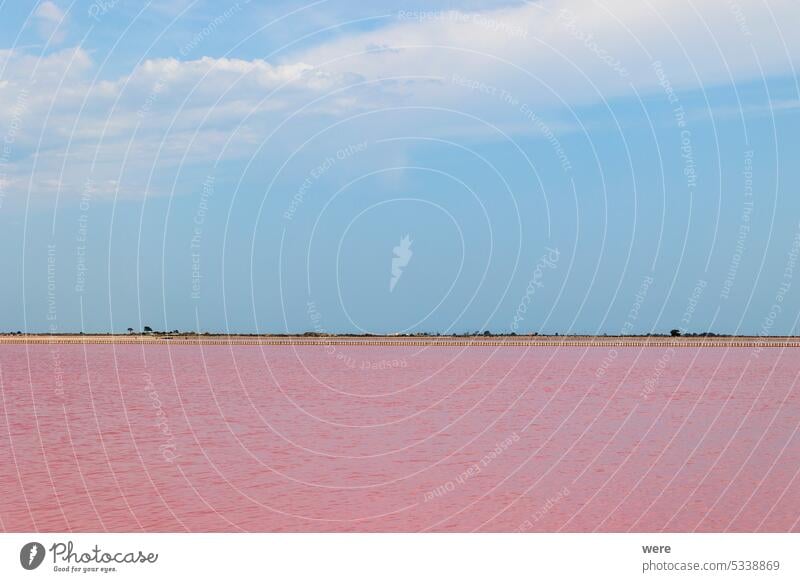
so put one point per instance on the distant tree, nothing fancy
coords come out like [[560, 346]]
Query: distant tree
[[130, 330], [487, 333], [675, 332], [147, 329]]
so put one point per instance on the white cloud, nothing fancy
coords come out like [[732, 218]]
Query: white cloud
[[580, 50], [51, 22], [570, 52], [68, 128]]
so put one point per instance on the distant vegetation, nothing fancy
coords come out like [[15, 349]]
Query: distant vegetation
[[147, 330], [487, 333]]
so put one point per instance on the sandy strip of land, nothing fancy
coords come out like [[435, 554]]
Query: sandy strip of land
[[389, 341]]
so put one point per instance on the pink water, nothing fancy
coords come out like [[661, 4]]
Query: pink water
[[270, 438]]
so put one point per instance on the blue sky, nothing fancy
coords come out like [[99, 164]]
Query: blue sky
[[568, 166]]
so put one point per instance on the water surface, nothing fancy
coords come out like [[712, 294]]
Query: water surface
[[369, 438]]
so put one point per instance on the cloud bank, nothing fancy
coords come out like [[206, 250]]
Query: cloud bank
[[67, 122]]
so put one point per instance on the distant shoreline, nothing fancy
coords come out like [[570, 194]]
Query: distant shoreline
[[400, 341]]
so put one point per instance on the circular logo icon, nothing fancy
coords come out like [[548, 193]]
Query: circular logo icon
[[31, 555]]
